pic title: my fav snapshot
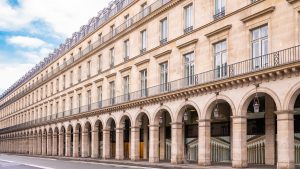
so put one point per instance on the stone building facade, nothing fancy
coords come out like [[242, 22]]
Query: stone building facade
[[184, 81]]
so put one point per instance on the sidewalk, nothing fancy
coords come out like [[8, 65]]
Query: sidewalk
[[165, 165]]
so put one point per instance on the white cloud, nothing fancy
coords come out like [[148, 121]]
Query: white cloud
[[25, 41], [64, 17]]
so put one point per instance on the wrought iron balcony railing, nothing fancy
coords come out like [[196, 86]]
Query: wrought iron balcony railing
[[219, 14], [272, 60]]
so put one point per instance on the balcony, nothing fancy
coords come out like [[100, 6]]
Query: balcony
[[272, 60], [219, 14], [163, 41], [188, 30]]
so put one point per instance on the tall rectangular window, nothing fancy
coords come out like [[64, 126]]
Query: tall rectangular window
[[163, 31], [189, 66], [112, 30], [112, 57], [220, 54], [164, 77], [144, 41], [188, 18], [259, 47], [126, 88], [99, 63], [89, 99], [51, 87], [126, 49], [144, 9], [100, 96], [143, 78], [57, 109], [41, 94], [79, 74], [88, 69], [112, 93], [127, 20], [71, 78], [63, 106], [219, 9], [71, 105], [57, 84], [64, 81], [79, 103]]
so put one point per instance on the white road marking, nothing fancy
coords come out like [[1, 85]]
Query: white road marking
[[115, 165], [31, 165]]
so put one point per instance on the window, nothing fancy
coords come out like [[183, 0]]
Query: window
[[57, 84], [46, 91], [144, 9], [89, 99], [79, 51], [112, 92], [51, 88], [79, 103], [57, 109], [100, 96], [71, 78], [126, 88], [220, 54], [71, 105], [127, 20], [219, 9], [188, 18], [88, 69], [63, 106], [99, 63], [164, 77], [259, 47], [90, 45], [112, 30], [64, 81], [144, 41], [189, 67], [112, 57], [126, 50], [100, 37], [143, 78], [41, 97], [164, 31], [79, 73]]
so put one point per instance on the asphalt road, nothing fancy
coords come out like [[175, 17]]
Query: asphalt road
[[22, 162]]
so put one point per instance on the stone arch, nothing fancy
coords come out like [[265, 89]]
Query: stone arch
[[179, 112], [291, 97], [97, 123], [122, 119], [159, 111], [139, 115], [208, 108], [109, 120], [245, 101], [87, 125]]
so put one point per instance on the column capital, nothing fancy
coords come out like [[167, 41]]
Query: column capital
[[153, 125], [284, 112]]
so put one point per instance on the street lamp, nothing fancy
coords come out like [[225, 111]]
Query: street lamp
[[160, 119], [256, 104], [140, 122], [185, 115], [123, 124], [216, 111]]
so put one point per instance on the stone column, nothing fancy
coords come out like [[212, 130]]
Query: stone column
[[135, 143], [35, 144], [75, 143], [95, 144], [119, 144], [49, 145], [85, 144], [106, 144], [285, 140], [154, 144], [30, 145], [177, 143], [61, 144], [145, 155], [204, 143], [55, 144], [39, 143], [44, 144], [239, 142], [270, 132], [162, 141], [68, 145]]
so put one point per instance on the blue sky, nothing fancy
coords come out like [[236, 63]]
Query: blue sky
[[31, 29]]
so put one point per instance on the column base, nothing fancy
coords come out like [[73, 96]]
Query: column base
[[153, 160], [204, 163], [239, 164], [176, 161], [287, 165]]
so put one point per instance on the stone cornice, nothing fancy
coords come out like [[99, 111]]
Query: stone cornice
[[87, 85], [142, 62], [125, 69], [63, 95], [187, 43], [292, 1], [162, 54], [98, 80], [111, 75], [70, 92], [78, 89], [258, 14], [215, 32]]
